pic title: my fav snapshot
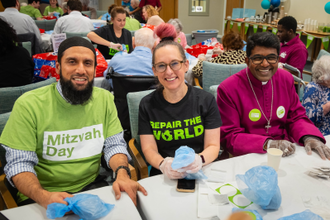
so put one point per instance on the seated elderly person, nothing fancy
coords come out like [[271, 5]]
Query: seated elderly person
[[75, 21], [136, 12], [233, 53], [316, 98], [180, 36], [260, 109]]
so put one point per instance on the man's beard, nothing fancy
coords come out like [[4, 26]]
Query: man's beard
[[74, 96]]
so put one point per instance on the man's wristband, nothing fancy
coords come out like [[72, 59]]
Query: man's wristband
[[123, 167]]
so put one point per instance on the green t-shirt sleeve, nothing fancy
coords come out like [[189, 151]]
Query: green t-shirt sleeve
[[60, 11], [46, 11], [113, 125], [37, 14], [20, 131]]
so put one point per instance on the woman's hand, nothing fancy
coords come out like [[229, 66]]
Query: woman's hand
[[194, 167], [167, 170]]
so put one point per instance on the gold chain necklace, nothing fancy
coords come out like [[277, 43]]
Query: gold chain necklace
[[267, 126]]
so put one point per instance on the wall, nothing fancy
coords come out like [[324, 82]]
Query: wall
[[213, 21], [104, 4]]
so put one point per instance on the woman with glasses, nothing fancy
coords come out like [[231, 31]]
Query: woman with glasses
[[176, 114]]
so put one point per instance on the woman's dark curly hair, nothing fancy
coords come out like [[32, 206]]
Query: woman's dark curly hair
[[8, 37], [232, 41]]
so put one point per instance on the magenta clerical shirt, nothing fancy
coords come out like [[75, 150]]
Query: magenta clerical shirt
[[243, 130]]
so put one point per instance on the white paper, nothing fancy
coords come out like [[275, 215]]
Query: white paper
[[217, 176], [57, 40]]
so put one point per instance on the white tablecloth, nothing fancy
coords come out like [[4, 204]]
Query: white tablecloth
[[164, 202], [124, 208]]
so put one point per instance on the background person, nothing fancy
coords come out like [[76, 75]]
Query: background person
[[74, 22], [110, 38], [316, 98], [233, 53], [180, 36], [260, 108], [190, 114], [12, 74], [293, 50], [32, 9], [150, 15], [136, 13], [53, 7], [131, 24]]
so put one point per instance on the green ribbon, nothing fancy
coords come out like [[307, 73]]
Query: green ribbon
[[231, 24], [298, 32], [225, 24], [310, 39], [239, 24], [264, 28], [246, 28], [325, 41], [255, 28], [274, 31]]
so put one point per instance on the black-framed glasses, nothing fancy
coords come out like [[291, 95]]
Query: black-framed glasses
[[174, 65], [258, 59]]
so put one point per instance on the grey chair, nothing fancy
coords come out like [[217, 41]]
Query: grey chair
[[9, 95], [28, 46], [133, 101], [30, 37], [189, 39], [100, 13], [76, 34], [88, 13], [47, 25], [214, 74], [322, 53], [214, 90]]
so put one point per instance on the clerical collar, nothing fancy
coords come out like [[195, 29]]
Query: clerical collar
[[264, 83]]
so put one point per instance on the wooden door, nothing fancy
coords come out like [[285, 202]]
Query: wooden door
[[169, 9], [233, 4]]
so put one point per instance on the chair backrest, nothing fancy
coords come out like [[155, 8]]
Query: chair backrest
[[132, 33], [133, 101], [27, 46], [3, 120], [213, 90], [88, 13], [300, 88], [123, 84], [323, 52], [77, 34], [9, 95], [100, 13], [214, 74], [189, 39], [30, 37], [47, 25]]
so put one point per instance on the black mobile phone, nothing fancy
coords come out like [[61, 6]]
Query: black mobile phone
[[2, 217], [186, 185]]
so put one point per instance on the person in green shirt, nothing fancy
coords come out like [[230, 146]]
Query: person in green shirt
[[32, 9], [131, 23], [53, 7]]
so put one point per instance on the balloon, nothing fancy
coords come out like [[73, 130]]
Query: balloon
[[275, 3], [265, 4], [327, 8]]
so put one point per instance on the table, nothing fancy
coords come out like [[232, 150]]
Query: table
[[164, 202], [124, 208]]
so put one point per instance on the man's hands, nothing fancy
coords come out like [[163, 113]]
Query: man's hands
[[312, 143], [167, 170], [51, 197], [287, 147], [124, 184]]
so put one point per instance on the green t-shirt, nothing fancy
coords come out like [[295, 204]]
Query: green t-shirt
[[68, 139], [50, 9], [31, 11], [132, 24]]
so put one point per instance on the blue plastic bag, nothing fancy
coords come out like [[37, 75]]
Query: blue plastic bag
[[253, 213], [259, 185], [87, 206], [183, 157], [305, 215]]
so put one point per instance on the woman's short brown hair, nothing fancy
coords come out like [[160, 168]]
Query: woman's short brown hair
[[232, 41]]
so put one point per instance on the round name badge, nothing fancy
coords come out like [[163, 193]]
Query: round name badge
[[255, 114], [280, 112]]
